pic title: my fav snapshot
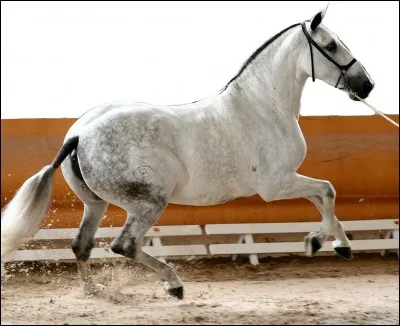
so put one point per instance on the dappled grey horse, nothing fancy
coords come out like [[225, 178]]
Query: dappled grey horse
[[243, 141]]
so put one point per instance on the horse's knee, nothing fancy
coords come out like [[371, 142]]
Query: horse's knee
[[124, 248], [329, 190], [82, 250]]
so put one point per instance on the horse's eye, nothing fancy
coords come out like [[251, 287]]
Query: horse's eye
[[331, 47]]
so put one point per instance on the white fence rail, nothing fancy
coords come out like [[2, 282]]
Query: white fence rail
[[244, 246]]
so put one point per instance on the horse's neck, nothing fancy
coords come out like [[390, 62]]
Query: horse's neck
[[273, 81]]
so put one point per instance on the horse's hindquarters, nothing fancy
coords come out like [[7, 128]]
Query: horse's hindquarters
[[128, 173]]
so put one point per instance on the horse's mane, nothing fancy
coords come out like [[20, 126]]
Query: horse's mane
[[256, 53]]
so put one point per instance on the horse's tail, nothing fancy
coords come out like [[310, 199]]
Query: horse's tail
[[21, 218]]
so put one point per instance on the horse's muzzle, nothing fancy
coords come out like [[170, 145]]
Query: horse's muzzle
[[361, 86]]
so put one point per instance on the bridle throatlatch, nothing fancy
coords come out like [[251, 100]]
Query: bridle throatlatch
[[343, 69]]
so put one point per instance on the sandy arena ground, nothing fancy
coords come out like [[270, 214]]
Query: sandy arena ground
[[285, 290]]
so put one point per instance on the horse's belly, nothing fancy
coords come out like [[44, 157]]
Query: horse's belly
[[206, 198], [214, 186]]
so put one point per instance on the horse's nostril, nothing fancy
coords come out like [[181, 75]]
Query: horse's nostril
[[367, 86]]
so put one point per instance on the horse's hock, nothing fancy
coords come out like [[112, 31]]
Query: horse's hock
[[358, 155]]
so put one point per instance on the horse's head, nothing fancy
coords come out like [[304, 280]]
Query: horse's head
[[328, 59]]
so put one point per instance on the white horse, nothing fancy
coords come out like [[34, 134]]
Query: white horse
[[243, 141]]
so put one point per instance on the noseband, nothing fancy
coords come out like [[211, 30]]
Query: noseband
[[343, 69]]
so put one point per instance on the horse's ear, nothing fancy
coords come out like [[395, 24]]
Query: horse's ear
[[317, 19]]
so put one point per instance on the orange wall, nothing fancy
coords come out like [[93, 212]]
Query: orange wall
[[359, 155]]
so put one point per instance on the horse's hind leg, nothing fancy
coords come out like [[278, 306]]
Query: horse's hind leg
[[141, 216], [94, 209], [83, 243], [172, 282]]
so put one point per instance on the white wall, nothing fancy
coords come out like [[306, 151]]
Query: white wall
[[59, 59]]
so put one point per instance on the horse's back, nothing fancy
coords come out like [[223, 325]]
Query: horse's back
[[100, 111]]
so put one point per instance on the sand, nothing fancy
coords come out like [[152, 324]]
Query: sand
[[286, 290]]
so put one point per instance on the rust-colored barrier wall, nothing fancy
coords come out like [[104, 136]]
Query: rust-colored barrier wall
[[359, 155]]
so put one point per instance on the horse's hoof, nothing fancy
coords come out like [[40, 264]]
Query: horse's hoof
[[344, 252], [312, 245], [316, 245], [176, 292]]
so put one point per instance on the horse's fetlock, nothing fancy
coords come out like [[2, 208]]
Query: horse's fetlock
[[82, 252]]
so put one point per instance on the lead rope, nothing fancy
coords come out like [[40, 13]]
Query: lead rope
[[376, 110]]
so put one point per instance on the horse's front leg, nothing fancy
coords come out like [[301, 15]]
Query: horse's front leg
[[322, 194]]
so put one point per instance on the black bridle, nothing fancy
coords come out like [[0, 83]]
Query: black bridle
[[343, 69]]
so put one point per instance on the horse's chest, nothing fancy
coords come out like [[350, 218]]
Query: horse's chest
[[295, 150], [286, 150]]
